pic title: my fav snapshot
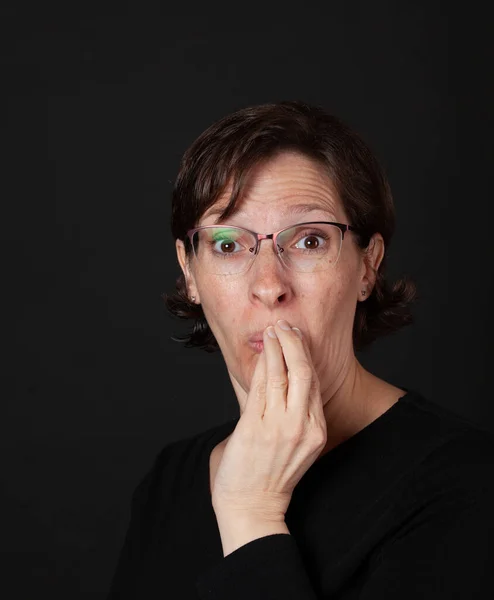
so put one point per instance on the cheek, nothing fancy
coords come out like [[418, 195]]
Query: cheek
[[343, 303], [329, 307], [217, 313], [219, 307], [326, 295]]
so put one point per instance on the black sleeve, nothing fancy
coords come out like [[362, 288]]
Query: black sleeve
[[266, 568], [449, 555], [443, 553]]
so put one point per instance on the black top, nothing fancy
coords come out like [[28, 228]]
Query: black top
[[401, 510]]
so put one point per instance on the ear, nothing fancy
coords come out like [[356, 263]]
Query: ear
[[371, 259], [186, 270]]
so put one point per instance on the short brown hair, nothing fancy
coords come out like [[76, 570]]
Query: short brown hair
[[229, 148]]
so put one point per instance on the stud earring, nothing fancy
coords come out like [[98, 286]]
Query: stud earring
[[364, 292]]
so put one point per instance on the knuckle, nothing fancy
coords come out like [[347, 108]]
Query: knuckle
[[319, 438], [303, 371], [296, 434], [261, 391], [314, 386], [319, 433], [278, 382]]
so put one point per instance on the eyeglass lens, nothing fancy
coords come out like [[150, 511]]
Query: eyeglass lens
[[304, 248]]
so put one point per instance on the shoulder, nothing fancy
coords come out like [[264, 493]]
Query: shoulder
[[468, 451], [462, 461], [456, 456]]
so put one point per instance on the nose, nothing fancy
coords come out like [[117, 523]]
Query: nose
[[269, 281]]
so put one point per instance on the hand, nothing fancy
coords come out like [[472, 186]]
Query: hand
[[279, 436]]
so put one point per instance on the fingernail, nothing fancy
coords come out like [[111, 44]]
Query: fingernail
[[297, 331], [284, 325], [271, 332]]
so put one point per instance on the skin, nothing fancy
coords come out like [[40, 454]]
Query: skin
[[322, 304]]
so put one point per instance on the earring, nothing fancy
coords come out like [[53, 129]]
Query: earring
[[364, 292], [193, 298]]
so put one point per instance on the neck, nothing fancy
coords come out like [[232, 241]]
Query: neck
[[345, 403], [353, 399]]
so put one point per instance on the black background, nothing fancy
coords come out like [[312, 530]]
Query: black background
[[100, 104]]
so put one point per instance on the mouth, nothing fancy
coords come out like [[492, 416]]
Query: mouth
[[257, 346]]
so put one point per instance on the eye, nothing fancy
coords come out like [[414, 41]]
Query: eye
[[224, 246], [313, 242]]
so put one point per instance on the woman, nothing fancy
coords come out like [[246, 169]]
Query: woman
[[332, 483]]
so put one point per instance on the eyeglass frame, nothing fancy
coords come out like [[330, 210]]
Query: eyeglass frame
[[343, 227]]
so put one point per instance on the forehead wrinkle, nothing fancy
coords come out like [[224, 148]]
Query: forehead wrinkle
[[282, 183], [301, 210], [324, 201], [293, 210], [292, 187]]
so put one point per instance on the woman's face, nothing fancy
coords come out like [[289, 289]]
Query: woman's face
[[322, 304]]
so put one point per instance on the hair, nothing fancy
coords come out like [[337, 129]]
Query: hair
[[226, 152]]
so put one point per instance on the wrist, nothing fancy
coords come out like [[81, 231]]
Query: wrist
[[237, 529]]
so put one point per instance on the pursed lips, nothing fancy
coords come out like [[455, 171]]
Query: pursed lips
[[257, 346]]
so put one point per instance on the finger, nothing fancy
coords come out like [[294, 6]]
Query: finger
[[303, 381], [315, 401], [299, 370], [276, 372], [256, 398]]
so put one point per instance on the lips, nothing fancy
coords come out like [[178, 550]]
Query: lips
[[256, 341], [257, 346], [257, 337]]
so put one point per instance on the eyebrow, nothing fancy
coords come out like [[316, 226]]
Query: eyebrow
[[296, 209]]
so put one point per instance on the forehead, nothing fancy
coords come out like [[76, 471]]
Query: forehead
[[288, 184]]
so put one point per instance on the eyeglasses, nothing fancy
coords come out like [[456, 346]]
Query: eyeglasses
[[305, 247]]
